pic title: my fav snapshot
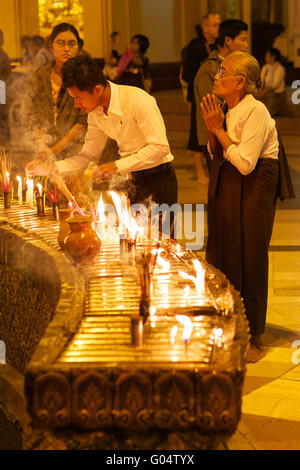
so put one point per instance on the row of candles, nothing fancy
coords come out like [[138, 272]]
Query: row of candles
[[30, 191], [129, 233]]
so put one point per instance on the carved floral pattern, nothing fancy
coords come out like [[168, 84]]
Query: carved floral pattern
[[174, 400], [52, 400], [217, 402], [133, 400], [92, 403]]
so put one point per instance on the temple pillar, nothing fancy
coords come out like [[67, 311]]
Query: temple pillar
[[294, 32]]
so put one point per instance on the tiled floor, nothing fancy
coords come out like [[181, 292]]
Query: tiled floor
[[271, 410]]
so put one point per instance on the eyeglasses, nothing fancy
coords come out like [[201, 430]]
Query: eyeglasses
[[71, 44], [223, 74]]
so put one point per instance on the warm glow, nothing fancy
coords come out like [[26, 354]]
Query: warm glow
[[174, 333], [7, 176], [199, 280], [161, 262], [70, 205], [127, 222], [188, 326], [19, 179], [152, 310], [40, 189], [101, 212]]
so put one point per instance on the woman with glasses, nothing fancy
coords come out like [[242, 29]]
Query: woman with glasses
[[243, 187], [57, 126]]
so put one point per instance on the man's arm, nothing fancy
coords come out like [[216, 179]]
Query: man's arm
[[94, 144]]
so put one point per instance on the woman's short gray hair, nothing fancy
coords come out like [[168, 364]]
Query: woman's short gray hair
[[246, 65]]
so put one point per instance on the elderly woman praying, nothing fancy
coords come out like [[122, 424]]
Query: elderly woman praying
[[243, 186]]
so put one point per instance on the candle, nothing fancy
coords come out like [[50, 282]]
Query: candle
[[20, 194], [40, 200], [137, 332], [29, 194]]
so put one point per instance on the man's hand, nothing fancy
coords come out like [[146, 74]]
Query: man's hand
[[40, 168], [105, 171]]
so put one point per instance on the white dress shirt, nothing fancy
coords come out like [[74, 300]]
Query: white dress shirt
[[133, 119], [273, 76], [253, 133]]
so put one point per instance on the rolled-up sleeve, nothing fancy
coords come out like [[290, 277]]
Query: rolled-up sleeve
[[244, 155], [94, 144]]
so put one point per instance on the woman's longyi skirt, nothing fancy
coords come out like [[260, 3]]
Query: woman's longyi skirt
[[241, 221]]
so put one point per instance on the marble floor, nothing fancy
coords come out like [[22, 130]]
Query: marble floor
[[270, 410]]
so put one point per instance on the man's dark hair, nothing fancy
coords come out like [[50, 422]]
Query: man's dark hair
[[61, 28], [38, 41], [275, 53], [231, 28], [143, 42], [82, 72]]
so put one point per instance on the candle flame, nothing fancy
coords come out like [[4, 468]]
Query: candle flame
[[173, 333], [70, 205], [188, 326], [127, 222], [198, 280], [40, 189], [152, 310], [101, 213], [19, 179], [163, 263]]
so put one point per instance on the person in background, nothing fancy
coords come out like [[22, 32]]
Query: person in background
[[133, 66], [50, 110], [273, 93], [5, 67], [5, 70], [194, 53], [243, 187], [233, 36], [112, 56], [41, 55]]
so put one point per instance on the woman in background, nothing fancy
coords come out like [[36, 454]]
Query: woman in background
[[133, 66], [57, 126], [272, 92]]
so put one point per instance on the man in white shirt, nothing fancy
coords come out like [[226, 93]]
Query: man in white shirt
[[128, 115], [272, 93]]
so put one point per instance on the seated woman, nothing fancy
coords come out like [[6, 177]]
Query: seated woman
[[272, 92], [57, 126], [242, 188], [133, 66]]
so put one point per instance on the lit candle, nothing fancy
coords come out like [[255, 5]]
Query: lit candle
[[29, 195], [20, 195], [101, 217], [39, 200], [173, 334]]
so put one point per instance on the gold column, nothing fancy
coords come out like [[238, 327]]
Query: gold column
[[97, 25]]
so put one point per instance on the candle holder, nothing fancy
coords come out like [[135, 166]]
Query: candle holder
[[40, 206], [7, 200], [123, 245], [137, 331], [55, 210]]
